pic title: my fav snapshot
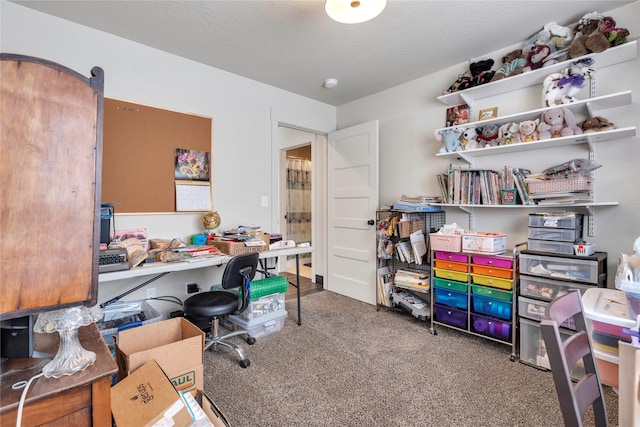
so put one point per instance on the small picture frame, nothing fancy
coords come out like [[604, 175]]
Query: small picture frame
[[457, 115], [489, 113]]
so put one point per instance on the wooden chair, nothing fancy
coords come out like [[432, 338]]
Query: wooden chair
[[574, 397]]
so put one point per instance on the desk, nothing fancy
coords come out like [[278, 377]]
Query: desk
[[81, 399], [160, 269]]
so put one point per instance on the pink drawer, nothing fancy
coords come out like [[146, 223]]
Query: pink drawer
[[452, 256], [500, 262]]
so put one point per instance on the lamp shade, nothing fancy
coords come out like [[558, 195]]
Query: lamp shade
[[353, 11]]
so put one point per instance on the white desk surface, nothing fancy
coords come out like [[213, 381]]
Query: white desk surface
[[195, 263]]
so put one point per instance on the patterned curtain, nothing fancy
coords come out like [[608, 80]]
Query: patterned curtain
[[298, 200]]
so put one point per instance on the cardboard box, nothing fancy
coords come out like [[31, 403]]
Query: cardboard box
[[176, 344], [484, 242], [147, 398], [214, 414]]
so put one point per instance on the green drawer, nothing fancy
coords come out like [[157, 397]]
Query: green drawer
[[450, 284], [491, 292]]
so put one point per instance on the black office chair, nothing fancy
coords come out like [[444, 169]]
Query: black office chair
[[216, 305]]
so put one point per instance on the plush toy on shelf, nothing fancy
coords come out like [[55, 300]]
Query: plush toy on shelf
[[588, 38], [596, 124], [469, 138], [509, 133], [557, 122], [614, 35], [464, 81], [488, 135], [481, 71], [529, 130], [513, 63], [450, 138], [561, 88]]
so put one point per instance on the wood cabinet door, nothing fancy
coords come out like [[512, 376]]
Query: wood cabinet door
[[50, 169]]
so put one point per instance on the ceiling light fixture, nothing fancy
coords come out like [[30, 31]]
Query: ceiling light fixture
[[353, 11]]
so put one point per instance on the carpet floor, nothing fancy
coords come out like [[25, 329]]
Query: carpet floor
[[350, 365]]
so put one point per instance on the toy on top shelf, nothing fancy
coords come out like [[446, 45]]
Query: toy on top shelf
[[562, 87], [557, 122], [547, 47], [513, 63], [596, 33], [478, 74]]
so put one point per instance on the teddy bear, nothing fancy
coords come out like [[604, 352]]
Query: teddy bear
[[557, 122], [614, 35], [528, 130], [469, 138], [513, 63], [508, 133], [596, 124], [450, 139], [488, 135], [588, 38], [481, 71]]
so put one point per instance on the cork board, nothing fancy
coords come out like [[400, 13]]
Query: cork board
[[138, 154]]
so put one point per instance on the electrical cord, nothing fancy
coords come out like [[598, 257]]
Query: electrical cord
[[168, 298], [26, 386]]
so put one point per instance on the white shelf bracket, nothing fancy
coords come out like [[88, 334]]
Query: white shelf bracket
[[469, 101], [591, 221], [469, 211], [465, 157]]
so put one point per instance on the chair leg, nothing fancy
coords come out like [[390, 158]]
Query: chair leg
[[216, 339]]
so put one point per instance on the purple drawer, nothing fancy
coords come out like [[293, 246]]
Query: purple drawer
[[451, 316], [491, 327], [500, 262], [452, 256]]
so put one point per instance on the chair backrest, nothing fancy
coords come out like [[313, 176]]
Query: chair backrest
[[238, 274], [574, 397]]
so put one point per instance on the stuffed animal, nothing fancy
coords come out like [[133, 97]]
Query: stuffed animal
[[614, 35], [509, 133], [560, 88], [464, 81], [596, 124], [560, 36], [488, 135], [450, 138], [557, 122], [528, 130], [513, 63], [469, 138], [481, 71], [588, 37]]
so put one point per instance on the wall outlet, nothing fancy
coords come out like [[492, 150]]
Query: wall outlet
[[192, 288], [151, 293], [265, 201]]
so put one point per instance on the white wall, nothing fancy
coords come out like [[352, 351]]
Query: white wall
[[409, 114], [242, 112]]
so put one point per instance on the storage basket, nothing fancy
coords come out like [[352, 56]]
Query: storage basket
[[560, 185], [445, 242]]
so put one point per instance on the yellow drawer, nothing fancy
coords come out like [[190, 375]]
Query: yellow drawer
[[452, 275], [492, 281]]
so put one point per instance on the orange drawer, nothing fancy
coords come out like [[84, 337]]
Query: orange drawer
[[452, 265], [486, 270]]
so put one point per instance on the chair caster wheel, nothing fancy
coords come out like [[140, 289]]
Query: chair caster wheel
[[245, 363], [251, 340]]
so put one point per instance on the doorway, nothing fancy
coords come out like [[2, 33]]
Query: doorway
[[298, 216]]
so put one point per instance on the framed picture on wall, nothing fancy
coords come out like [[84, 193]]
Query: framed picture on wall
[[489, 113], [457, 115]]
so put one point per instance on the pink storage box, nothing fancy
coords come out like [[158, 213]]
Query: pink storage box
[[445, 242]]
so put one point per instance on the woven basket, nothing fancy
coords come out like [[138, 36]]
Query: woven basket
[[445, 242], [561, 185]]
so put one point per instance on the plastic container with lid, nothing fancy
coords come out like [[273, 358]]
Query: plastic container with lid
[[605, 311]]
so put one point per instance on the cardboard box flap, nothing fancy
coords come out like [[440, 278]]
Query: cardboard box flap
[[147, 398]]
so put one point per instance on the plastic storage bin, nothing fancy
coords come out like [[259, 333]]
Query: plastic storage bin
[[450, 284], [261, 326], [494, 261], [451, 298], [486, 291], [264, 305], [534, 309], [550, 246], [560, 234], [494, 282], [123, 315], [533, 350], [556, 220], [451, 316], [452, 265], [491, 327], [452, 256], [547, 289], [606, 315], [452, 275], [567, 267], [492, 307], [492, 271]]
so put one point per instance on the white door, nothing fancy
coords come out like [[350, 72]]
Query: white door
[[352, 193]]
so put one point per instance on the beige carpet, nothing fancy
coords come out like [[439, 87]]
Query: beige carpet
[[350, 365]]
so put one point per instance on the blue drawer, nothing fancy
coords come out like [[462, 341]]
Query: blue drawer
[[451, 316], [492, 307], [451, 298]]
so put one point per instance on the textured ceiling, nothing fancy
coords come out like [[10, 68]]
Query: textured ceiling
[[293, 45]]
